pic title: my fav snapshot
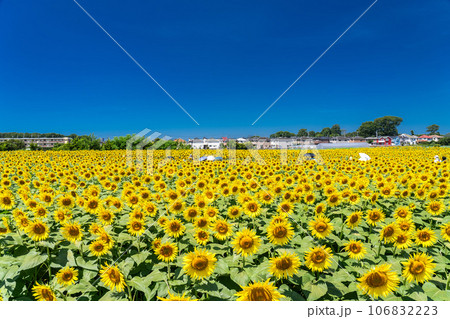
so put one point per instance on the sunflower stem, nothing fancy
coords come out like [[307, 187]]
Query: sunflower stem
[[49, 269], [379, 249]]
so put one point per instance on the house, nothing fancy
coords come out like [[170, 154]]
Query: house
[[406, 139], [241, 140], [356, 139], [382, 141], [179, 140], [44, 142], [282, 142], [424, 138], [436, 138], [338, 139], [260, 143], [205, 143]]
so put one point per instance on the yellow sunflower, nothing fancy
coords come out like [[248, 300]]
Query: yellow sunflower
[[318, 258], [403, 240], [280, 233], [43, 293], [374, 216], [67, 276], [285, 265], [320, 226], [445, 231], [167, 252], [389, 233], [425, 237], [201, 236], [355, 249], [199, 264], [112, 278], [222, 229], [72, 231], [174, 228], [246, 242], [106, 216], [136, 227], [354, 219], [418, 268], [4, 230], [252, 208], [37, 230], [177, 298], [379, 281], [259, 291], [435, 207], [98, 248], [234, 212]]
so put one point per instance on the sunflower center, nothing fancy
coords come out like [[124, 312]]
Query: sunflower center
[[402, 213], [389, 231], [354, 219], [321, 227], [416, 267], [377, 279], [74, 231], [114, 276], [177, 206], [203, 235], [92, 204], [39, 229], [318, 257], [283, 263], [192, 213], [355, 248], [6, 200], [106, 216], [424, 236], [3, 230], [136, 226], [435, 207], [47, 294], [174, 227], [280, 232], [374, 216], [447, 231], [246, 242], [199, 263], [260, 294], [98, 247], [252, 207], [67, 276], [222, 229], [402, 239], [166, 251], [202, 223], [333, 199], [319, 209]]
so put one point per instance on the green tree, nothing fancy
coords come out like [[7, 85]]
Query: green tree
[[282, 134], [336, 130], [367, 129], [433, 129], [326, 131], [311, 134], [302, 132], [387, 125]]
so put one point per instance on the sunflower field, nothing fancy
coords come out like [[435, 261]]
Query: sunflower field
[[85, 225]]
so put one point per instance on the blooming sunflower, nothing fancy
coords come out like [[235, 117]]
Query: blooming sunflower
[[222, 229], [280, 233], [259, 291], [6, 201], [199, 264], [112, 278], [167, 252], [374, 216], [106, 216], [136, 227], [445, 231], [246, 242], [66, 201], [320, 226], [177, 298], [379, 281], [389, 233], [403, 240], [190, 213], [4, 230], [354, 219], [425, 237], [285, 265], [435, 207], [234, 212], [98, 248], [202, 222], [67, 276], [156, 243], [419, 268], [37, 230], [43, 293], [252, 208], [285, 207], [402, 212], [318, 258], [72, 231], [355, 249], [201, 236], [174, 228]]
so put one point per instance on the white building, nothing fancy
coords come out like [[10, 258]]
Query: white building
[[282, 143], [44, 142], [406, 139], [205, 143]]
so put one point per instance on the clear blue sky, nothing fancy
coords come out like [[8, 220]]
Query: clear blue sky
[[225, 62]]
